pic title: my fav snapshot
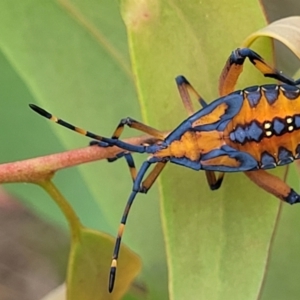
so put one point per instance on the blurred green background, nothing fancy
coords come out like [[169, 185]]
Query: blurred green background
[[71, 57]]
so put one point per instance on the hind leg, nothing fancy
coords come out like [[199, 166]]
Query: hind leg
[[274, 185]]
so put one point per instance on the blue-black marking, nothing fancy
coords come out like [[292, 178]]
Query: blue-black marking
[[253, 95], [180, 80], [252, 132], [290, 92], [292, 197], [240, 135], [284, 156], [234, 103], [267, 161], [297, 121], [271, 92], [278, 126], [239, 55], [232, 136], [245, 160], [297, 150], [186, 162]]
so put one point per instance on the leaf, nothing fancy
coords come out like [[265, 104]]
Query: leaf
[[88, 267], [57, 294], [283, 259], [89, 257], [71, 58], [285, 30], [57, 60], [217, 242], [86, 256]]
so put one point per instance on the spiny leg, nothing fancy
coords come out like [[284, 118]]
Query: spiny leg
[[234, 67], [185, 88], [213, 181], [274, 185], [130, 163], [138, 187], [138, 126], [158, 135], [128, 157]]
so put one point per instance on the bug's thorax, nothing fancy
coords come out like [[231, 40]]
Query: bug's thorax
[[193, 144], [268, 123]]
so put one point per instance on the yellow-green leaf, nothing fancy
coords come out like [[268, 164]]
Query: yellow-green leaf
[[89, 266], [286, 30], [217, 242]]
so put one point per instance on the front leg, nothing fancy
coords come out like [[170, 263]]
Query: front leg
[[234, 67]]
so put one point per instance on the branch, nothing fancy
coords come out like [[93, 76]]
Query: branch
[[38, 169]]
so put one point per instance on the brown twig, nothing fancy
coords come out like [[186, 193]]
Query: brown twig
[[38, 169]]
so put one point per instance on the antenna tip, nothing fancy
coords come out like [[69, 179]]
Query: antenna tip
[[112, 276], [40, 111]]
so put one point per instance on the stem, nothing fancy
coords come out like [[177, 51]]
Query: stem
[[65, 207], [39, 169]]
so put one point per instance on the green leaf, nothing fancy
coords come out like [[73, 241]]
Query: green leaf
[[90, 252], [58, 293], [217, 242], [71, 58], [89, 268], [58, 59]]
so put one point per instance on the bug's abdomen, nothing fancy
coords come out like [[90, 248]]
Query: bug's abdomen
[[268, 125]]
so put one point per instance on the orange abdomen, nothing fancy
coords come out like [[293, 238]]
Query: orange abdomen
[[268, 125]]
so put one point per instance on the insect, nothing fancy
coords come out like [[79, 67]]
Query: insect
[[248, 130]]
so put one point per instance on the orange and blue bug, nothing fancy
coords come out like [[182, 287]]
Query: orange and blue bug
[[248, 130]]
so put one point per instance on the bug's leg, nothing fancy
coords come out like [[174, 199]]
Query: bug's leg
[[274, 185], [138, 187], [234, 67], [185, 88], [157, 134], [130, 164], [128, 157], [213, 181], [138, 126], [117, 133]]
